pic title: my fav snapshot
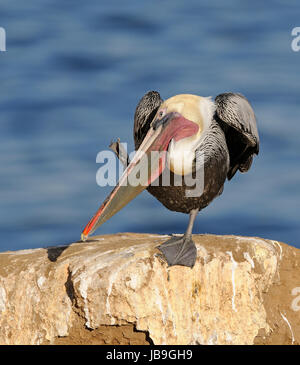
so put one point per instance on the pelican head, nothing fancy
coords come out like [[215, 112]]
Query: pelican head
[[196, 109]]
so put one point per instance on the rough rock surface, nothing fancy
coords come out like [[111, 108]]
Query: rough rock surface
[[116, 289]]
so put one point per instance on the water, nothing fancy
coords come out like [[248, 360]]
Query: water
[[72, 75]]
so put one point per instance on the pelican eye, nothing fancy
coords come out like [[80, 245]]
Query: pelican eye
[[161, 113], [159, 118], [163, 120]]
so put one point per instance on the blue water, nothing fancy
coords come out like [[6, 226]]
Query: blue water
[[72, 75]]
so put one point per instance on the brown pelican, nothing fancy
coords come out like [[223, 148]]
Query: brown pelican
[[223, 132]]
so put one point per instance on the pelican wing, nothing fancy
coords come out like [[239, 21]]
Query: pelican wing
[[237, 119], [144, 114]]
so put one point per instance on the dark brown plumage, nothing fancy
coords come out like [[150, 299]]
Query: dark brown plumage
[[144, 114], [237, 119]]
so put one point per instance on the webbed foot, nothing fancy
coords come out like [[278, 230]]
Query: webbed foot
[[179, 251]]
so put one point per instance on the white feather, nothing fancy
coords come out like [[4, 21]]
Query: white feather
[[181, 154]]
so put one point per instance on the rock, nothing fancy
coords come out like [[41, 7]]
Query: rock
[[116, 289]]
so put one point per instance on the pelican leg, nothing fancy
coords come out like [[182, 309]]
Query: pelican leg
[[181, 250]]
